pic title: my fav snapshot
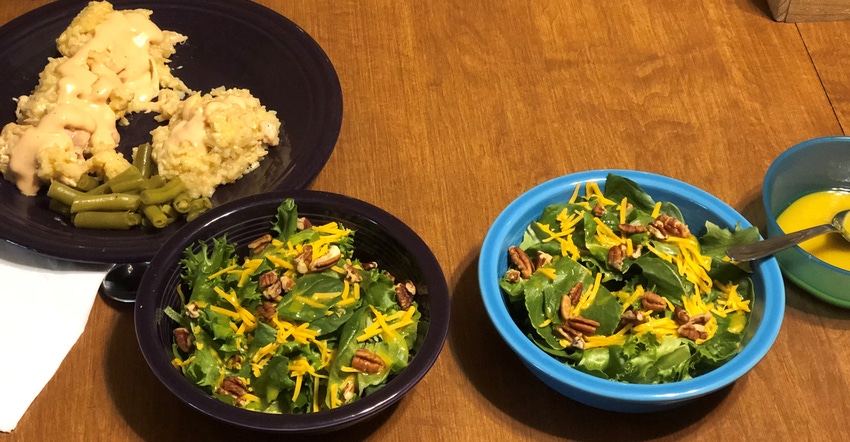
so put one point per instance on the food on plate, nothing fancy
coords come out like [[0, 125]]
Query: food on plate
[[616, 285], [815, 209], [134, 197], [299, 325], [114, 63], [214, 139]]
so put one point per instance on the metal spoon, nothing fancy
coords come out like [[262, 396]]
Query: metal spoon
[[122, 281], [748, 252]]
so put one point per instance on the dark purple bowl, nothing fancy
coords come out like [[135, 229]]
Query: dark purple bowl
[[379, 237], [231, 43]]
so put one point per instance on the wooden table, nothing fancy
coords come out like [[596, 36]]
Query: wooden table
[[461, 106]]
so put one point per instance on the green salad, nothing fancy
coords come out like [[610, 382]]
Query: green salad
[[297, 326], [615, 284]]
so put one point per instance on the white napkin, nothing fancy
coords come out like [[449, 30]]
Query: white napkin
[[36, 290]]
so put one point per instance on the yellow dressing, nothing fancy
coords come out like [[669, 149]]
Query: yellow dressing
[[815, 209], [737, 322]]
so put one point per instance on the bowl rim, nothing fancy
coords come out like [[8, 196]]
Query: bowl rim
[[750, 355], [146, 314], [769, 177]]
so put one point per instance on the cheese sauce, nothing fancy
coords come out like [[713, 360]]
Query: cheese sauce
[[116, 56], [815, 209]]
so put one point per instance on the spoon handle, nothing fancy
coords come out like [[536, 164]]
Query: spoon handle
[[749, 252]]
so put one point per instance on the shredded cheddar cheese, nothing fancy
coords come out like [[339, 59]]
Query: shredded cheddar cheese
[[221, 272], [618, 338], [605, 235], [386, 325], [622, 210], [548, 272], [592, 189], [656, 210], [660, 327], [588, 297], [574, 196]]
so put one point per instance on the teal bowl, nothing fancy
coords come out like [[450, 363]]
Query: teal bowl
[[815, 165]]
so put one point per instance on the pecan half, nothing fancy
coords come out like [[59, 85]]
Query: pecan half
[[637, 252], [522, 261], [184, 339], [598, 210], [192, 310], [513, 275], [234, 387], [572, 335], [351, 274], [302, 261], [270, 284], [653, 301], [631, 317], [404, 293], [327, 260], [587, 327], [668, 226], [258, 245], [543, 258], [286, 283], [268, 279], [367, 362], [566, 308], [693, 331], [681, 316], [347, 392], [701, 318], [616, 255], [234, 362], [303, 223], [656, 232], [266, 311], [575, 293], [369, 265], [631, 229]]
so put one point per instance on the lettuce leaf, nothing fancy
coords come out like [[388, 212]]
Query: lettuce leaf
[[199, 266]]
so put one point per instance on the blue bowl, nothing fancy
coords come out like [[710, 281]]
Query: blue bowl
[[811, 166], [697, 206]]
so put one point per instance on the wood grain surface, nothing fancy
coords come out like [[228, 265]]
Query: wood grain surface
[[453, 109]]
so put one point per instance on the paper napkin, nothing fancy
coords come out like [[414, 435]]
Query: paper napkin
[[36, 290]]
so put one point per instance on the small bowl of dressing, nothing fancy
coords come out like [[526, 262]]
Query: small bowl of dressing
[[806, 186]]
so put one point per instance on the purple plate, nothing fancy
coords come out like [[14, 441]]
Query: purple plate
[[378, 236], [232, 43]]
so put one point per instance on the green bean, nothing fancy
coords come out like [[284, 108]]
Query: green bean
[[99, 190], [113, 202], [142, 159], [62, 193], [153, 182], [59, 207], [155, 215], [169, 211], [198, 207], [128, 173], [182, 203], [87, 182], [165, 193], [107, 220], [126, 181]]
